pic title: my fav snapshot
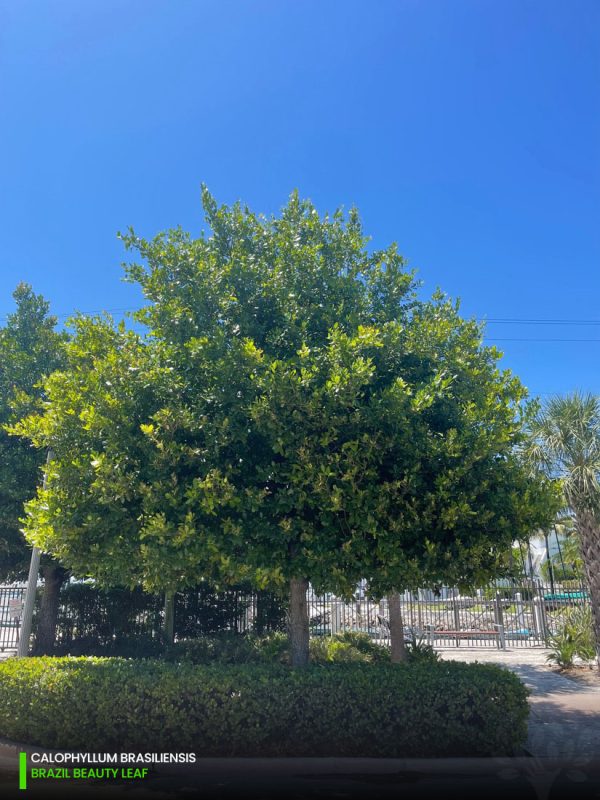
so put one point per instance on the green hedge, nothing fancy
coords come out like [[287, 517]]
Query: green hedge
[[435, 709]]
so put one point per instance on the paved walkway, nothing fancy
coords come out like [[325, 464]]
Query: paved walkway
[[565, 715]]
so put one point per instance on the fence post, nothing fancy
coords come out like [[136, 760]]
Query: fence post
[[539, 615], [30, 593], [521, 623], [501, 637], [456, 616], [336, 616], [498, 610]]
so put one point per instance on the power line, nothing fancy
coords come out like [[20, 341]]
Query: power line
[[83, 313], [486, 321], [518, 321], [524, 339]]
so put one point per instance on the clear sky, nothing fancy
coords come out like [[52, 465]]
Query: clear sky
[[466, 130]]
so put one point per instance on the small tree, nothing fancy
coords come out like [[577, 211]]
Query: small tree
[[30, 349], [125, 503]]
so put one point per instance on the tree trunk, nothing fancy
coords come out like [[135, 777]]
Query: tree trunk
[[298, 622], [169, 620], [396, 629], [54, 577], [589, 535]]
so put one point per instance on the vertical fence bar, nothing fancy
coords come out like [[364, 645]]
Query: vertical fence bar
[[539, 612], [456, 615]]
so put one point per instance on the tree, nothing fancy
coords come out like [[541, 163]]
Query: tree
[[565, 442], [471, 492], [398, 457], [30, 349], [295, 415], [125, 502], [160, 473]]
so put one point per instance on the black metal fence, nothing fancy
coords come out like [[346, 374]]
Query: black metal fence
[[11, 607], [91, 615], [494, 616]]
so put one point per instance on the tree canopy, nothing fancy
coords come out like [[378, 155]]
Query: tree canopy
[[30, 350], [295, 413]]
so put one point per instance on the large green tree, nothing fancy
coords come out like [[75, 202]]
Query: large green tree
[[565, 442], [295, 415], [30, 349], [398, 459]]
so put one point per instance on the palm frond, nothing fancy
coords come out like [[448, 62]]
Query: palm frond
[[564, 442]]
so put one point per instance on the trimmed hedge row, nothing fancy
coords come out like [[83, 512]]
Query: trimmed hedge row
[[112, 704]]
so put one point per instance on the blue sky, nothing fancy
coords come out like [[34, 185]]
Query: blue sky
[[466, 130]]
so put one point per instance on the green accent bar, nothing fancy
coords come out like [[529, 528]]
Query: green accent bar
[[22, 770]]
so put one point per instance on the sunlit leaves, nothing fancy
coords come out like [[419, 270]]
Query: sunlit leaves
[[294, 412]]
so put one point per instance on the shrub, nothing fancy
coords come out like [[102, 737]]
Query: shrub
[[230, 648], [350, 646], [574, 638], [509, 592], [127, 647], [234, 648], [419, 652], [444, 709]]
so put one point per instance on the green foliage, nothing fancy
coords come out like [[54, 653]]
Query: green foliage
[[206, 609], [89, 616], [563, 649], [419, 652], [508, 592], [565, 440], [573, 639], [30, 349], [230, 648], [568, 563], [380, 710], [349, 646], [137, 646], [295, 413], [565, 443]]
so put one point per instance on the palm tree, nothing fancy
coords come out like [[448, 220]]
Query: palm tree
[[565, 443]]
